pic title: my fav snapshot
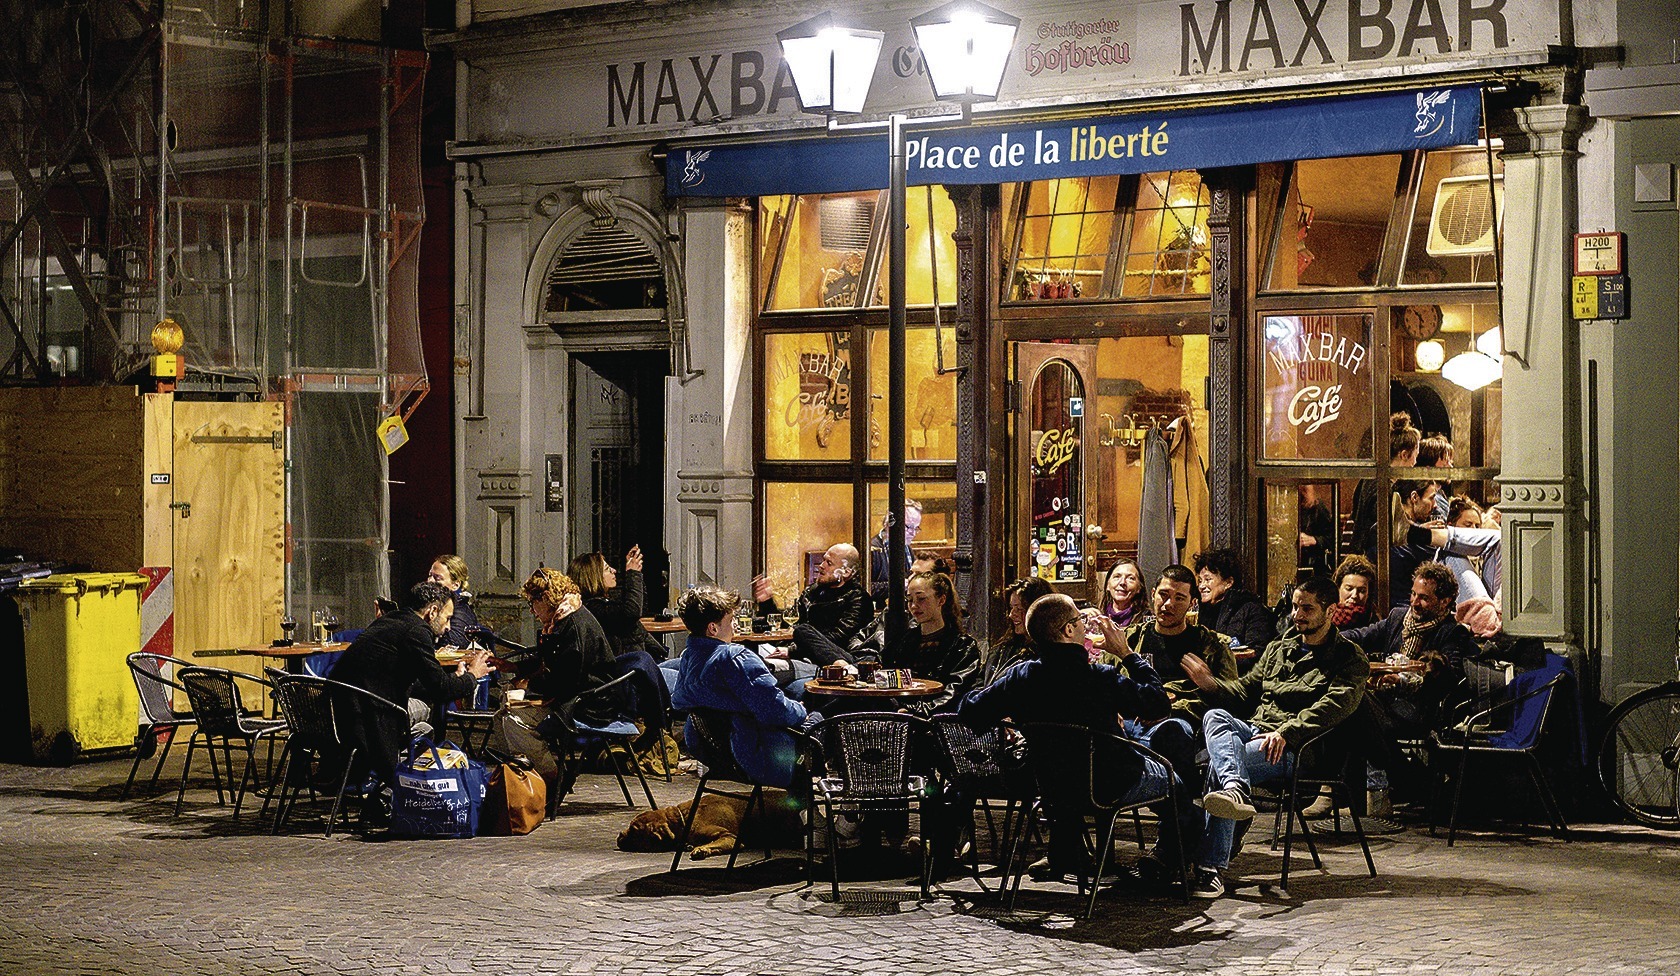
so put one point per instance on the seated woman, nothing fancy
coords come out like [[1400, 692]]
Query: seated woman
[[718, 674], [451, 570], [1228, 608], [616, 600], [1123, 599], [1015, 645], [934, 645], [574, 653], [1354, 579]]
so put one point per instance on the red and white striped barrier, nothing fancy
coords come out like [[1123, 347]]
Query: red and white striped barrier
[[157, 610]]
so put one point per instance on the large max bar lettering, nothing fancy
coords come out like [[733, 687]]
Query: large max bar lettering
[[627, 95], [1374, 29]]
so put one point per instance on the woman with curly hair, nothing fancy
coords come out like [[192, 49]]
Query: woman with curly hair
[[573, 650], [1355, 577]]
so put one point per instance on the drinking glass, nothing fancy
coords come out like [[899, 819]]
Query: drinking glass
[[774, 621], [743, 621], [288, 624], [790, 616]]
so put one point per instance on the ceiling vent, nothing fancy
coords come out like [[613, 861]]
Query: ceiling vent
[[846, 222]]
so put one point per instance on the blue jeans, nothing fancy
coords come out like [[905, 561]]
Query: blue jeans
[[1235, 758]]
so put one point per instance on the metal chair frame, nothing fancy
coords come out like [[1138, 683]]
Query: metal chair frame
[[311, 713], [1477, 742], [220, 714], [1305, 773], [157, 709], [615, 745], [971, 764], [1048, 762], [717, 762]]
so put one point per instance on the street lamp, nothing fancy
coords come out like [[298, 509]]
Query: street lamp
[[964, 46]]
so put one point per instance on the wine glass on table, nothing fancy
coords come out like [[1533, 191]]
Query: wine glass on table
[[288, 625], [790, 616]]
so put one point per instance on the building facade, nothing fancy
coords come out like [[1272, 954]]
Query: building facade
[[1167, 293]]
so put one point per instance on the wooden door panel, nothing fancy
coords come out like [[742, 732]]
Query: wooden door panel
[[1056, 382], [230, 529]]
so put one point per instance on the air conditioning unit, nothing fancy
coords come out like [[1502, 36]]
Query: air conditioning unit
[[1464, 219]]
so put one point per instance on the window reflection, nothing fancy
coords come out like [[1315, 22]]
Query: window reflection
[[808, 396], [930, 421]]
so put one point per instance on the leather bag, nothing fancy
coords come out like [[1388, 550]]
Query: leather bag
[[516, 800]]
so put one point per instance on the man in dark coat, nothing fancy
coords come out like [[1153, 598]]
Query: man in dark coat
[[1426, 646], [394, 657], [1061, 686], [831, 612]]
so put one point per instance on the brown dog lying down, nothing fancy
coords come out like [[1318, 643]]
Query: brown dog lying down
[[715, 827]]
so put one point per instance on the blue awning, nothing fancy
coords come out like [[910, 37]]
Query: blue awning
[[1359, 125]]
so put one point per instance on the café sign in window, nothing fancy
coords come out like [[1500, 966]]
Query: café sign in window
[[1317, 387], [1054, 470]]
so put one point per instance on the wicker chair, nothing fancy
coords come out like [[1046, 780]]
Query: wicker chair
[[1069, 763], [221, 718], [151, 673], [972, 765], [307, 704], [868, 755]]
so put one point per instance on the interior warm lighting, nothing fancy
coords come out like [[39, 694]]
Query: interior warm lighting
[[1430, 355], [965, 46], [832, 64], [1492, 343], [1472, 370]]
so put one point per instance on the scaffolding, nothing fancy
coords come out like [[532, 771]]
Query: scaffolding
[[208, 162]]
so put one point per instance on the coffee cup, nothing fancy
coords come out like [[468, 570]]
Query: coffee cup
[[867, 669], [835, 672]]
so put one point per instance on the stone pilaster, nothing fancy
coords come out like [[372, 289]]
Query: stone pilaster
[[1540, 483], [709, 411]]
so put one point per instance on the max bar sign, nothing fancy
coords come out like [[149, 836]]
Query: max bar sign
[[1240, 136]]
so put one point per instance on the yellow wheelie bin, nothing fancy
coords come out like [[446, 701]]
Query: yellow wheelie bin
[[78, 630]]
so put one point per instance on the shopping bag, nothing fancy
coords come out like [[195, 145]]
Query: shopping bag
[[438, 792], [516, 800]]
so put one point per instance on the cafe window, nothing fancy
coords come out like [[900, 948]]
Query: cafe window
[[1455, 219], [1330, 224], [1106, 237], [822, 375], [1329, 485], [1407, 219], [1167, 249], [808, 403], [829, 250]]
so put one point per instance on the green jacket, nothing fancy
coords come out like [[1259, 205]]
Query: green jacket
[[1297, 690], [1187, 701]]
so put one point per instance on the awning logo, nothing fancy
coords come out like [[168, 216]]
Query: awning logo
[[691, 168], [1429, 120]]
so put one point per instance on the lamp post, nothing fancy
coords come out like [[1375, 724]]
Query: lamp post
[[965, 47]]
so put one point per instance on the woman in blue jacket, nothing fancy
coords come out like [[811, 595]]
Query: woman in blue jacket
[[718, 674]]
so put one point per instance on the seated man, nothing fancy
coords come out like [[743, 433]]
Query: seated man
[[395, 655], [1164, 641], [717, 674], [831, 612], [1409, 704], [1301, 686], [1061, 685]]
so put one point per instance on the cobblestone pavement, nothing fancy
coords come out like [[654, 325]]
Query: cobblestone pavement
[[93, 885]]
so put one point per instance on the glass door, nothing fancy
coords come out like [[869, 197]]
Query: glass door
[[1054, 474]]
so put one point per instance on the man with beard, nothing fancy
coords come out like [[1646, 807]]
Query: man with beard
[[1426, 646], [1301, 686], [831, 612]]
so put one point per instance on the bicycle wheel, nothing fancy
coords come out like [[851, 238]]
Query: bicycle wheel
[[1637, 759]]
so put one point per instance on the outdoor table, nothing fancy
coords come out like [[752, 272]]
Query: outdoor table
[[766, 637], [654, 625], [1380, 669], [293, 655], [917, 688]]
